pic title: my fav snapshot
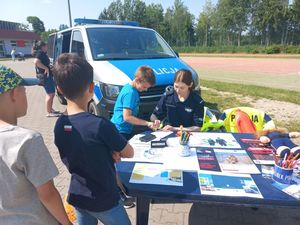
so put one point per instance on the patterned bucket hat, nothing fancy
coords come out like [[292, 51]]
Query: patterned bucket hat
[[9, 79]]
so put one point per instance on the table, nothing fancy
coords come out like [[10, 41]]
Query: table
[[190, 191]]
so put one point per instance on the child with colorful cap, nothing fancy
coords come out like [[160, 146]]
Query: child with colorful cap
[[27, 193]]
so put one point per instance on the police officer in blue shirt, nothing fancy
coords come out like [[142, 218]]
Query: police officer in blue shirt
[[180, 106]]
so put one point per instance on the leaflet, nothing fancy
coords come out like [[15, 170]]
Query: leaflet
[[214, 183], [173, 160], [150, 173], [235, 161], [207, 159], [213, 140], [143, 151]]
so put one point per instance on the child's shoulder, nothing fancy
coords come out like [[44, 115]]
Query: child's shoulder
[[21, 130], [20, 133]]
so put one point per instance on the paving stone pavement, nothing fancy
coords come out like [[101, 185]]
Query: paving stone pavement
[[160, 214]]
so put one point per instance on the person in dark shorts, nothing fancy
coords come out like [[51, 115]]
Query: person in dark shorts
[[42, 67]]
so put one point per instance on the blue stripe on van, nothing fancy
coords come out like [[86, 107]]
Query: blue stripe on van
[[164, 69], [97, 91]]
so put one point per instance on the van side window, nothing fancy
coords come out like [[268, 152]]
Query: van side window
[[77, 44]]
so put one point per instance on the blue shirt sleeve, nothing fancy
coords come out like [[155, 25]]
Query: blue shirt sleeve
[[111, 136], [130, 100]]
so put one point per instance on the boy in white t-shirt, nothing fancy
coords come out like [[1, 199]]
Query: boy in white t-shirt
[[27, 193]]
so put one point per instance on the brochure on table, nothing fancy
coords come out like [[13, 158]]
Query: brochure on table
[[235, 161], [173, 160], [207, 159], [259, 152], [150, 173], [214, 183], [143, 151], [213, 140]]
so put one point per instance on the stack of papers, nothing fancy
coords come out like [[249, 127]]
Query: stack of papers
[[223, 167]]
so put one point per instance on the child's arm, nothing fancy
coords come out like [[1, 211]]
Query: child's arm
[[127, 152], [129, 118], [51, 199]]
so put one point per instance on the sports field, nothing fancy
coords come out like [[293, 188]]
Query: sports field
[[281, 73]]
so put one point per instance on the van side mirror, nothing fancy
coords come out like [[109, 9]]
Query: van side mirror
[[176, 53]]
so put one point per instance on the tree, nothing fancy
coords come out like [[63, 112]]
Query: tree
[[62, 27], [44, 35], [181, 24], [37, 24], [268, 19], [154, 17], [113, 12], [204, 25], [294, 17], [233, 18], [23, 27]]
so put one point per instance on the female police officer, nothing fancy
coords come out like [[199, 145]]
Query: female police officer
[[180, 106]]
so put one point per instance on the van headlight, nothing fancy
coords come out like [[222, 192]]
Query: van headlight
[[110, 91]]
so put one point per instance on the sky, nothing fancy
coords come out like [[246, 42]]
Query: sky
[[55, 12]]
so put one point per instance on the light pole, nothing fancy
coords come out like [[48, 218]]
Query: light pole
[[70, 17]]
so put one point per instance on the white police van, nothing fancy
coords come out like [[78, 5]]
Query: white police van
[[115, 49]]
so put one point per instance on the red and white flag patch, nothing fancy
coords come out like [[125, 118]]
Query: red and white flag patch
[[67, 128]]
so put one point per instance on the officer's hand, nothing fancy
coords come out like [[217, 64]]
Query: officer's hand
[[156, 124], [168, 128]]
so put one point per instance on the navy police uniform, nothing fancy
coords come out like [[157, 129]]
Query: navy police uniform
[[175, 113]]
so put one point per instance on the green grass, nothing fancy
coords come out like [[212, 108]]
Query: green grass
[[290, 126], [254, 91], [218, 101]]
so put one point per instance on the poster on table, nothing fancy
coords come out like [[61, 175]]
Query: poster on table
[[143, 151], [213, 140], [207, 159], [259, 152], [150, 173], [214, 183], [235, 161]]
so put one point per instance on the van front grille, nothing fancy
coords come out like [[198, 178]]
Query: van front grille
[[153, 94]]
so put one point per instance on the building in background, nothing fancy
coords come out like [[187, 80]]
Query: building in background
[[12, 37]]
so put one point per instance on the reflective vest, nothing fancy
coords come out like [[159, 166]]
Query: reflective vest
[[260, 119]]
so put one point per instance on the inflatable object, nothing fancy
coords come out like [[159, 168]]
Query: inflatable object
[[243, 122]]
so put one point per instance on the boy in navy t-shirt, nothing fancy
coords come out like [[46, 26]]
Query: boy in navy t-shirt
[[89, 146]]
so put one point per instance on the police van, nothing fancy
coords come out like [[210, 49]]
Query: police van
[[115, 49]]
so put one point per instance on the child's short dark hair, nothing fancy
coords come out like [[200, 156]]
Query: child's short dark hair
[[72, 74], [145, 74]]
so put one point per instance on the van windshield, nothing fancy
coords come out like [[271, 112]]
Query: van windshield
[[127, 43]]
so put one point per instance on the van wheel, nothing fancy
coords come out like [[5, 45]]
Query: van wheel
[[61, 98], [93, 109]]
